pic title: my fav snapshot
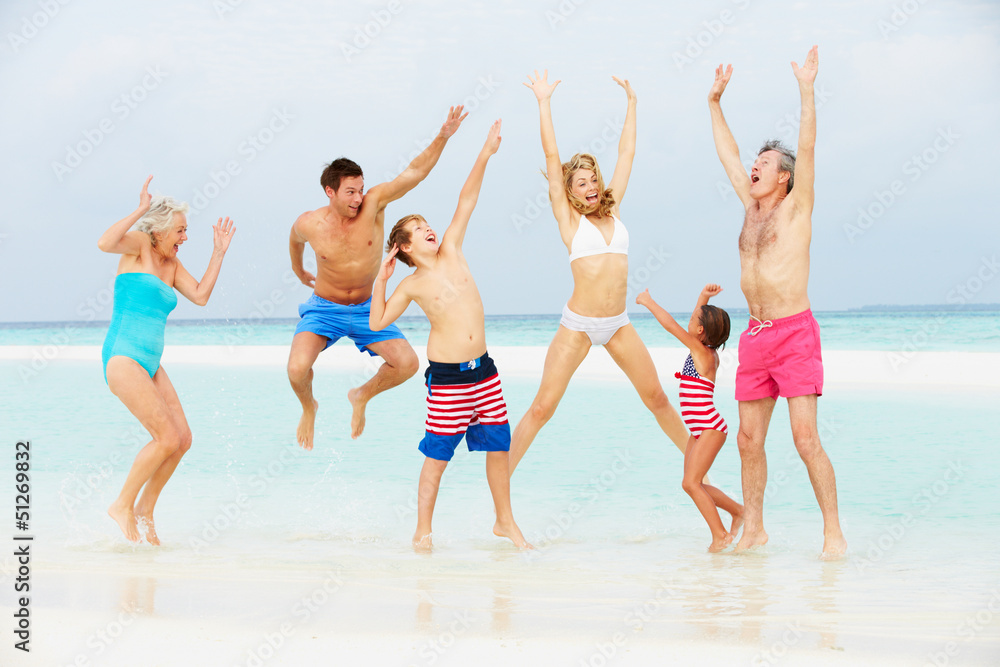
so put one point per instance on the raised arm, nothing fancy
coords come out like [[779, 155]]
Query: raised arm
[[198, 292], [802, 193], [383, 313], [470, 192], [118, 239], [668, 322], [553, 166], [707, 293], [626, 146], [421, 166], [725, 144], [296, 248]]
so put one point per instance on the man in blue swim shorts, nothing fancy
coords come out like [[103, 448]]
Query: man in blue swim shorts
[[347, 237]]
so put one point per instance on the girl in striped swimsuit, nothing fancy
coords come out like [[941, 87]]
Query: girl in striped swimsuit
[[706, 332]]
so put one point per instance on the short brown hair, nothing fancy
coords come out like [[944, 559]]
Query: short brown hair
[[337, 171], [716, 324], [400, 236]]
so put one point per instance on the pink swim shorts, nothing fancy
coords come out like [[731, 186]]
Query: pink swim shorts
[[780, 358]]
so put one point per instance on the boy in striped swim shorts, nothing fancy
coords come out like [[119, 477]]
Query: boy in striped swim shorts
[[464, 396]]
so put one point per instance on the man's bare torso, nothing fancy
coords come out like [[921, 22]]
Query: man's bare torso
[[348, 253], [774, 258]]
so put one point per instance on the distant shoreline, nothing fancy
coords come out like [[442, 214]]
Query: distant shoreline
[[874, 309]]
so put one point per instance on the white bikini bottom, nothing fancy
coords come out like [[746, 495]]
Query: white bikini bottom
[[599, 329]]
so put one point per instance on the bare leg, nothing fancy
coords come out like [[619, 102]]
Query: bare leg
[[631, 355], [755, 417], [400, 364], [498, 477], [133, 386], [427, 493], [566, 352], [698, 458], [151, 492], [306, 347], [802, 414]]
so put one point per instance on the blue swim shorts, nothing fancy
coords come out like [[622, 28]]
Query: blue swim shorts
[[334, 321], [464, 400]]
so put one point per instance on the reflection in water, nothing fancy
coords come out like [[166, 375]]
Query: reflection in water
[[821, 598], [138, 596]]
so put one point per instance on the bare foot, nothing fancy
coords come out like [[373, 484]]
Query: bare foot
[[734, 529], [511, 532], [422, 543], [834, 547], [307, 425], [125, 519], [752, 539], [358, 415], [718, 544], [144, 521]]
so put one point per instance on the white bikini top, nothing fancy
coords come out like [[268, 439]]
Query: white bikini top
[[589, 240]]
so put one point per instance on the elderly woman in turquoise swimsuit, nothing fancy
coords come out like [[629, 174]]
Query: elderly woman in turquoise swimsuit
[[148, 274], [597, 242]]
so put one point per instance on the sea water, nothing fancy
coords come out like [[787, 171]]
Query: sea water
[[598, 494]]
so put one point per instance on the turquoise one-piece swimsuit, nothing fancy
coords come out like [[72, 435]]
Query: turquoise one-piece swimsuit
[[142, 303]]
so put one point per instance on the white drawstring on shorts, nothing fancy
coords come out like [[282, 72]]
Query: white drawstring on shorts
[[760, 325]]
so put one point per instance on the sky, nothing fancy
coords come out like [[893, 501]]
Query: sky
[[235, 106]]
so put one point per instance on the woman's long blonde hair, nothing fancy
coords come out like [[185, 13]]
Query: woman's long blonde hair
[[586, 161]]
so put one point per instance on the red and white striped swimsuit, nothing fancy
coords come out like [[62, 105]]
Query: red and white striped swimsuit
[[697, 401]]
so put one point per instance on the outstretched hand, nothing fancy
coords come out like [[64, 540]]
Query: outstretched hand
[[388, 264], [644, 299], [223, 232], [493, 139], [711, 290], [720, 83], [624, 83], [807, 73], [454, 120], [540, 85], [145, 199]]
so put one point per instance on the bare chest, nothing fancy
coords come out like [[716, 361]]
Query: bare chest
[[332, 244], [760, 232]]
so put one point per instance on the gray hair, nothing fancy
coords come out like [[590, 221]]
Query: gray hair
[[159, 219], [787, 159]]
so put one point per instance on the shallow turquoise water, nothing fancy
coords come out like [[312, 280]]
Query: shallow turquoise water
[[598, 494]]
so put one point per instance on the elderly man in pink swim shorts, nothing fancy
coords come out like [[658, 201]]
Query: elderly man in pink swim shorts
[[780, 350]]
